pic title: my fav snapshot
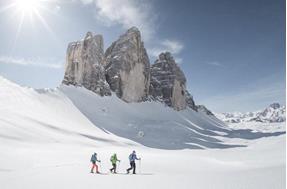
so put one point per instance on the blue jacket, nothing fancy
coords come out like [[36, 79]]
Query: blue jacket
[[94, 158], [133, 157]]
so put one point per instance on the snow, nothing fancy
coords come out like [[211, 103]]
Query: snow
[[274, 113], [47, 139]]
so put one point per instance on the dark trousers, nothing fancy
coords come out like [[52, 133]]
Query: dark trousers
[[133, 166], [114, 168]]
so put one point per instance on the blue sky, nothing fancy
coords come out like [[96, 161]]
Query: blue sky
[[232, 51]]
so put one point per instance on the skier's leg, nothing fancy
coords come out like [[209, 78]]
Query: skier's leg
[[93, 166], [97, 168], [134, 168], [128, 170], [115, 168]]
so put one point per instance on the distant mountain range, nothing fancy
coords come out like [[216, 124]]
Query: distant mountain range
[[272, 114]]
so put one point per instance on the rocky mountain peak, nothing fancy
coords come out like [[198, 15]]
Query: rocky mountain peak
[[133, 30], [128, 67], [166, 56], [168, 82], [125, 69], [273, 113], [84, 65], [274, 105]]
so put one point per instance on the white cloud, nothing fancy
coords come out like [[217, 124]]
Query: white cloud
[[215, 64], [128, 13], [30, 62], [87, 1], [172, 46]]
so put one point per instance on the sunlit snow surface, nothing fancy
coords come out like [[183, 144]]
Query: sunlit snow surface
[[48, 136]]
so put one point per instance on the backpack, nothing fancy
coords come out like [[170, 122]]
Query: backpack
[[93, 158], [131, 157]]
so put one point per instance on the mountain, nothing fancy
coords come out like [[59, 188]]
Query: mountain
[[273, 113], [128, 68], [85, 65], [73, 114], [115, 102], [70, 114], [124, 68], [48, 133]]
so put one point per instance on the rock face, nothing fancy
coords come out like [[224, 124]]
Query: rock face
[[128, 68], [125, 69], [203, 109], [84, 65], [189, 101], [167, 83]]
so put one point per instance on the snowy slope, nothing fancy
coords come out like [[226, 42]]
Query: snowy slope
[[74, 114], [274, 113], [150, 123], [155, 125], [47, 137], [45, 116]]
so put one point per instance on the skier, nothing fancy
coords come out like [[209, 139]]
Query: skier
[[94, 160], [114, 160], [132, 158]]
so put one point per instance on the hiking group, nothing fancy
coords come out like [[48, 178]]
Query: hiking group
[[114, 159]]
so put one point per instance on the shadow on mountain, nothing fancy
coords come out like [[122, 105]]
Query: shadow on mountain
[[154, 125], [250, 135]]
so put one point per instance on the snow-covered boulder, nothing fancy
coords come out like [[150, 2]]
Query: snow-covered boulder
[[127, 67], [167, 82], [84, 65]]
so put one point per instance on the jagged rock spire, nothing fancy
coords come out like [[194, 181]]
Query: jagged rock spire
[[127, 67], [84, 64], [168, 82]]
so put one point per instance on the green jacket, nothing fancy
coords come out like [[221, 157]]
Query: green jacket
[[114, 159]]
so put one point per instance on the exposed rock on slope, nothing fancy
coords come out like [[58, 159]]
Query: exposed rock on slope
[[189, 101], [84, 65], [202, 108], [127, 67], [168, 82]]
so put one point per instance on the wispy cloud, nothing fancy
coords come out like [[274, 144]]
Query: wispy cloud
[[128, 13], [172, 46], [31, 62], [215, 63]]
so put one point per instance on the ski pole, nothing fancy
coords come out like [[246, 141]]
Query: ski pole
[[119, 165], [100, 165]]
